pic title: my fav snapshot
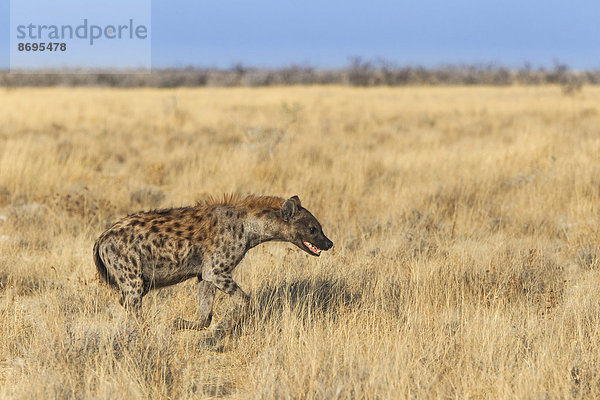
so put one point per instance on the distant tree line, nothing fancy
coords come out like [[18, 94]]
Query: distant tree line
[[358, 73]]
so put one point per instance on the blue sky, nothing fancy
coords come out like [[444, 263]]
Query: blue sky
[[269, 33]]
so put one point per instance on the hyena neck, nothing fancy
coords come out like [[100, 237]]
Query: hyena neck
[[265, 227]]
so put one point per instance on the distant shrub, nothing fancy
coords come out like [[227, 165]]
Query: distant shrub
[[359, 72]]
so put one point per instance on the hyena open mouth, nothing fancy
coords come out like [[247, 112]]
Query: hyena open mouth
[[312, 248]]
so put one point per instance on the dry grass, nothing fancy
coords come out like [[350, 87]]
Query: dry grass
[[467, 260]]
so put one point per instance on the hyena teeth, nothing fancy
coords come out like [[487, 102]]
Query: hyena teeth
[[312, 247]]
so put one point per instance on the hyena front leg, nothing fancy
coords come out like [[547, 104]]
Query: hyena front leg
[[206, 298], [225, 283]]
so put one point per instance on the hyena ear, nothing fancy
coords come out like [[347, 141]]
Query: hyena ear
[[290, 208]]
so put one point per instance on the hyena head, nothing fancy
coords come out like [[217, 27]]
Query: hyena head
[[303, 228]]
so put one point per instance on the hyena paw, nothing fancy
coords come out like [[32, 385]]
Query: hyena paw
[[178, 324], [220, 330], [182, 324]]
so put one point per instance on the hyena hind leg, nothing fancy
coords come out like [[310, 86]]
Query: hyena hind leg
[[131, 295], [206, 298]]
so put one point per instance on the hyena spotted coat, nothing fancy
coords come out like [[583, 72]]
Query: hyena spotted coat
[[159, 248]]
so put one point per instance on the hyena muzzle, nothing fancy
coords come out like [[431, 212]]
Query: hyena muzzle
[[159, 248]]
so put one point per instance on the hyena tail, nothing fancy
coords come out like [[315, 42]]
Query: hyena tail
[[102, 271]]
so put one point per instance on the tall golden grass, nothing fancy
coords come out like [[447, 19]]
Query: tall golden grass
[[466, 224]]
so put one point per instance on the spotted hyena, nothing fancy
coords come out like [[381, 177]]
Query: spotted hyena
[[159, 248]]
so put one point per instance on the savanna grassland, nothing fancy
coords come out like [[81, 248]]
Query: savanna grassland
[[465, 223]]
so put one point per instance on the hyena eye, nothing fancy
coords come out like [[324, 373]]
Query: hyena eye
[[313, 230]]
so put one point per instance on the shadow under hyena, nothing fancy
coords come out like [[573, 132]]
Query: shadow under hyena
[[309, 299]]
